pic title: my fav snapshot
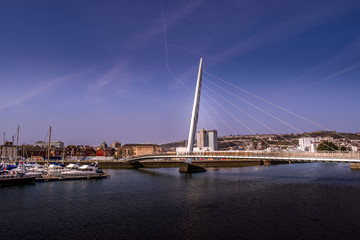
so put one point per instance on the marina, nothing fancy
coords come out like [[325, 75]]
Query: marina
[[22, 173]]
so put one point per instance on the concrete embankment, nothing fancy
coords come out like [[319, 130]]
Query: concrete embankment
[[355, 166], [176, 164]]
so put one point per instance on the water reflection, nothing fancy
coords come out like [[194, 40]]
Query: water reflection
[[297, 201]]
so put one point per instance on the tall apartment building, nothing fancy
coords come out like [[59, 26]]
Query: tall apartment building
[[207, 140], [309, 144]]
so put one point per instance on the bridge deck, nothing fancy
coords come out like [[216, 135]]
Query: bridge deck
[[348, 157]]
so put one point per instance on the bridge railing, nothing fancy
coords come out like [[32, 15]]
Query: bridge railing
[[261, 154]]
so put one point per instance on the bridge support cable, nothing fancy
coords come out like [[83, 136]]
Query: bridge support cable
[[262, 110], [251, 116], [221, 118], [180, 120], [233, 116], [171, 121], [258, 108], [212, 122], [276, 105], [174, 122], [166, 49]]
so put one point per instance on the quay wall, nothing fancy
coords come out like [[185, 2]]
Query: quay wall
[[355, 166], [176, 163]]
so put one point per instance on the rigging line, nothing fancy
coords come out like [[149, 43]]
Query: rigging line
[[262, 110], [206, 113], [250, 115], [43, 145], [276, 105], [14, 135], [235, 118]]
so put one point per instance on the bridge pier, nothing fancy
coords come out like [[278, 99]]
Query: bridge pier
[[190, 168], [355, 166], [266, 162], [136, 165]]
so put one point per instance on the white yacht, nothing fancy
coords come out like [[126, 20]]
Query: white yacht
[[30, 169], [36, 170], [54, 170], [84, 170], [7, 177]]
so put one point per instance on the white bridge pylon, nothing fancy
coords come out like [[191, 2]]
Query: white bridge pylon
[[195, 112]]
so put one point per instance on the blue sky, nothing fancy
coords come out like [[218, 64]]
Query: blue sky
[[107, 70]]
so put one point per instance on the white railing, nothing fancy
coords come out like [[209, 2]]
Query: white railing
[[276, 156]]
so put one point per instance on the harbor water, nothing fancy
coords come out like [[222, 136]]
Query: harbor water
[[295, 201]]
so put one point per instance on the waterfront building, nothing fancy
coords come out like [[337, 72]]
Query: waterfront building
[[54, 144], [79, 151], [115, 144], [207, 140], [328, 139], [309, 144], [100, 153], [73, 150], [134, 150], [9, 151], [103, 145]]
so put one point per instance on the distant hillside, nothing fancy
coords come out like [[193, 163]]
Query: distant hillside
[[292, 137], [335, 135], [174, 145]]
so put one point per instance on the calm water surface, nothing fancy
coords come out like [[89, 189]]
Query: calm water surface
[[298, 201]]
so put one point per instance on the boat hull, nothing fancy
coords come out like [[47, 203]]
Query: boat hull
[[16, 180]]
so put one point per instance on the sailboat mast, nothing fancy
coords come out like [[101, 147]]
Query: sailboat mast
[[3, 148], [17, 142], [63, 155], [48, 158]]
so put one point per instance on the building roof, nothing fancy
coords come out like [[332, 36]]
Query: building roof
[[140, 144]]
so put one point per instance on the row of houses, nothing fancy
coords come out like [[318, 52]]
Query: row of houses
[[310, 144], [59, 151]]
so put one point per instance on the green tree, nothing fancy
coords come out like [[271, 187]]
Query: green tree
[[327, 146], [343, 148]]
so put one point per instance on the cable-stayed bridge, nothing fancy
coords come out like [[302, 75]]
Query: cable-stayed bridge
[[210, 102], [340, 157]]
